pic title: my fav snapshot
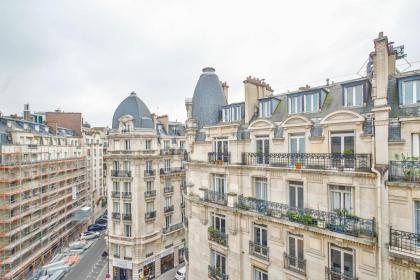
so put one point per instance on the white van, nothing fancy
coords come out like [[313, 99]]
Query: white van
[[180, 274]]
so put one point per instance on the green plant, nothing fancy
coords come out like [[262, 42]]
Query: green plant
[[348, 151], [307, 219], [293, 215]]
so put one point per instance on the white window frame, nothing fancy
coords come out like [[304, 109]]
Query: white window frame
[[296, 239], [415, 144], [265, 109], [314, 107], [341, 191], [168, 221], [259, 274], [261, 188], [296, 198], [214, 256], [167, 164], [415, 92], [219, 183], [342, 252], [218, 222], [298, 138], [127, 230], [353, 91]]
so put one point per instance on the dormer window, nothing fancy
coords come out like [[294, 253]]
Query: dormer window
[[410, 92], [232, 113], [353, 95], [265, 109], [305, 102]]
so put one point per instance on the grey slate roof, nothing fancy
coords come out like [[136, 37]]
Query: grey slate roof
[[208, 98], [135, 107]]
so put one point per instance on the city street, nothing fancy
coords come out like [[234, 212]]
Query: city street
[[91, 266]]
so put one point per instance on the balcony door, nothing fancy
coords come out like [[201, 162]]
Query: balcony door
[[219, 223], [296, 195], [221, 149], [219, 184], [296, 148], [263, 150], [342, 149], [296, 252], [260, 238], [341, 262], [218, 261]]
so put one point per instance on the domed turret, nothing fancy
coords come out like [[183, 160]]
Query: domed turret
[[208, 98], [136, 108]]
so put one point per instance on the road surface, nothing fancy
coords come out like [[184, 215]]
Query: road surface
[[90, 264]]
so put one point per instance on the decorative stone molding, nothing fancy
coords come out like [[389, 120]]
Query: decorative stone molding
[[342, 116]]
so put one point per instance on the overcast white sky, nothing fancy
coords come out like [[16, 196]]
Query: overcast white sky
[[87, 56]]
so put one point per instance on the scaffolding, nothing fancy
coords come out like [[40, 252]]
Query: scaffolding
[[38, 197]]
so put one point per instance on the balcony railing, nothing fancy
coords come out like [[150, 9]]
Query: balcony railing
[[172, 151], [164, 171], [168, 209], [295, 264], [216, 273], [405, 171], [172, 228], [149, 194], [116, 194], [353, 162], [404, 241], [127, 217], [218, 236], [116, 215], [168, 189], [332, 274], [216, 197], [339, 221], [121, 173], [126, 194], [258, 250], [150, 215], [149, 173], [219, 157]]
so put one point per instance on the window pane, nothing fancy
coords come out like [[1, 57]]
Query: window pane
[[335, 200], [300, 198], [316, 102], [347, 202], [299, 104], [349, 144], [292, 196], [300, 249], [336, 145], [348, 264], [408, 93], [359, 95], [335, 260], [349, 97], [308, 103], [292, 249]]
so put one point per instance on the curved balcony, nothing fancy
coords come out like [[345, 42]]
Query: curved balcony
[[404, 171], [168, 209], [216, 197], [150, 215], [218, 236], [216, 273], [150, 194], [219, 158], [259, 250], [121, 173]]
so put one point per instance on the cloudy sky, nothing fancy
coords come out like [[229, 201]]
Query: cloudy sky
[[87, 55]]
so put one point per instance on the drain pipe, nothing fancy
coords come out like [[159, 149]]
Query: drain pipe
[[379, 207]]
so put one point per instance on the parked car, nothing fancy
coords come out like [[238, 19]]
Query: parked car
[[89, 235], [96, 227], [101, 221], [180, 274]]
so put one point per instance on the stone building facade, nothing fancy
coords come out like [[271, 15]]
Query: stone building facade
[[145, 175], [318, 183]]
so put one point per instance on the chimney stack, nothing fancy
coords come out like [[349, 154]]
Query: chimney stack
[[225, 88], [254, 89], [26, 112]]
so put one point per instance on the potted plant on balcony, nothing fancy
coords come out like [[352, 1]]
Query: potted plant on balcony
[[293, 216], [307, 219], [320, 222], [298, 165]]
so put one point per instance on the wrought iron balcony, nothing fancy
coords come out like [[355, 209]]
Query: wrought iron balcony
[[168, 189], [116, 194], [295, 264], [405, 171], [351, 162], [168, 209], [126, 194], [216, 197], [332, 274], [150, 215], [171, 152], [116, 215], [214, 157], [216, 273], [127, 217], [172, 228], [148, 173], [405, 242], [258, 250], [150, 194], [121, 173], [218, 236], [338, 221]]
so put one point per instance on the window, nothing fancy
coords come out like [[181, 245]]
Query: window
[[168, 221], [296, 252], [116, 250], [260, 240], [116, 165], [116, 207], [127, 208], [182, 145], [342, 260], [116, 227], [295, 104], [166, 145], [342, 143], [232, 114], [263, 150], [150, 207], [116, 187], [226, 115], [219, 183], [148, 144], [149, 186], [260, 274], [149, 165], [296, 194], [218, 262], [167, 164], [218, 222], [417, 216], [126, 145], [265, 109], [127, 187], [341, 198], [127, 230], [415, 146], [297, 144], [410, 92], [168, 201], [168, 183], [260, 185], [221, 149], [312, 102], [353, 96]]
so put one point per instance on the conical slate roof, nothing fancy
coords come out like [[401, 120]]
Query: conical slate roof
[[135, 107], [208, 98]]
